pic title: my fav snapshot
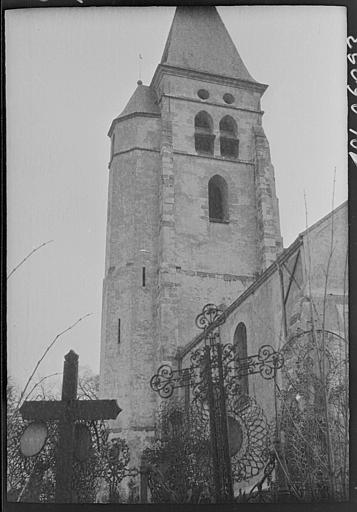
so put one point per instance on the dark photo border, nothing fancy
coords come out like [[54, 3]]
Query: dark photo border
[[351, 47]]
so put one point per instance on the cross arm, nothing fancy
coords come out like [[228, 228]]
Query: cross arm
[[95, 409], [75, 410], [42, 410]]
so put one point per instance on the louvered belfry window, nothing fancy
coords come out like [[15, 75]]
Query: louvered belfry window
[[229, 143], [204, 137]]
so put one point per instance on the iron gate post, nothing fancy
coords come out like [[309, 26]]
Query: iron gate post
[[213, 426], [226, 468], [143, 484]]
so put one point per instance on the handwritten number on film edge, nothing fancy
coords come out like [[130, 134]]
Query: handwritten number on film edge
[[352, 58]]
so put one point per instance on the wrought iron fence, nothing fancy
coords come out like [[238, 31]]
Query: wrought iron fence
[[238, 430], [303, 456]]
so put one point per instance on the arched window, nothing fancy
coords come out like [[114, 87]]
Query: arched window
[[240, 344], [204, 138], [229, 142], [218, 199]]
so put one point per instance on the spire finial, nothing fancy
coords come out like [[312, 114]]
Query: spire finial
[[139, 62]]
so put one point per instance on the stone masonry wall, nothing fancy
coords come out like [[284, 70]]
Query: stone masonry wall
[[207, 262], [132, 244], [270, 241]]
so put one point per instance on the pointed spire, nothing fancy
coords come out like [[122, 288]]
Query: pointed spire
[[198, 40], [143, 101]]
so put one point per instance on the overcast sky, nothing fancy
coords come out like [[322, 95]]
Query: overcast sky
[[69, 72]]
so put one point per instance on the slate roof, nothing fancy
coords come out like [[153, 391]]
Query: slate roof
[[198, 40], [143, 101]]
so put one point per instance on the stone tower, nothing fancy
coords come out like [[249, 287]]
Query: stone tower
[[192, 209]]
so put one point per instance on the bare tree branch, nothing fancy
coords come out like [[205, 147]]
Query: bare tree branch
[[28, 256], [44, 355], [40, 383], [27, 482]]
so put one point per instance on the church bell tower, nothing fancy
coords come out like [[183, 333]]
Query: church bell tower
[[192, 210]]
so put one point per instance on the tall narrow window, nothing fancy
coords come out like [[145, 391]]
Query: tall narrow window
[[218, 199], [113, 145], [240, 344], [143, 277], [229, 143], [118, 331], [204, 138]]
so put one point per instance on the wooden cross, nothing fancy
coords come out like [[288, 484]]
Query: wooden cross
[[68, 411]]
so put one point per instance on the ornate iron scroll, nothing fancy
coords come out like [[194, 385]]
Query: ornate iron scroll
[[266, 362], [210, 313], [166, 380], [253, 453]]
